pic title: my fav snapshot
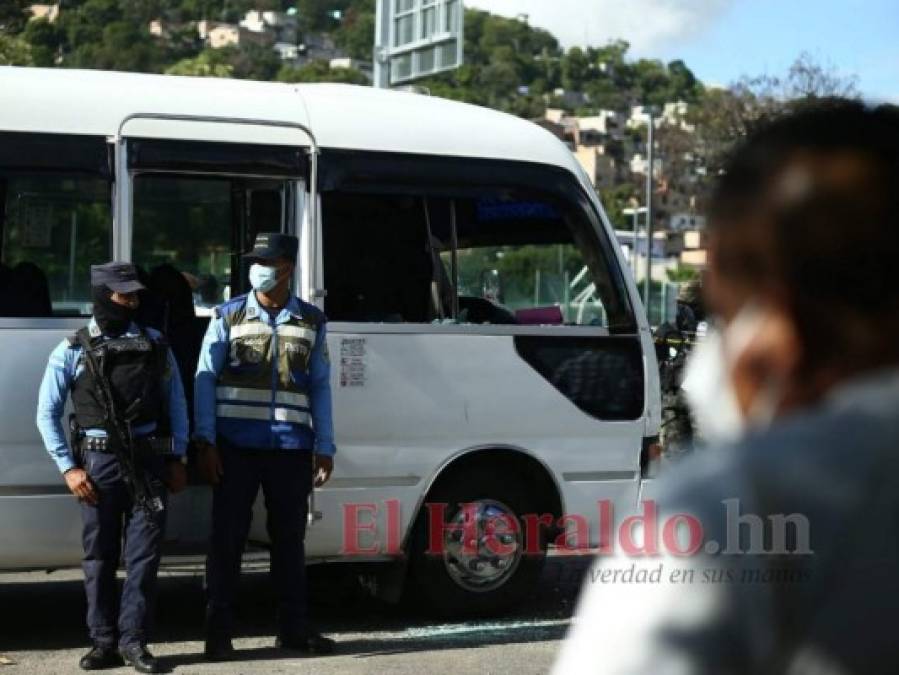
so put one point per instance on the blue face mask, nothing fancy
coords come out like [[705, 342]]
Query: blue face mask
[[263, 278]]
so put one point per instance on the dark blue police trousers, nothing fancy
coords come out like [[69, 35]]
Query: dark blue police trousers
[[109, 619], [285, 477]]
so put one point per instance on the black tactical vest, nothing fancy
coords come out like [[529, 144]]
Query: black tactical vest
[[134, 366]]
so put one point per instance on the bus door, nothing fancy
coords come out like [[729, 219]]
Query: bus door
[[186, 211]]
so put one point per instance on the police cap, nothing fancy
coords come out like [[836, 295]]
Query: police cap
[[119, 277], [273, 246]]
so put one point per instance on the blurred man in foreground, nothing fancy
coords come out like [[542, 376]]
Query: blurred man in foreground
[[793, 569]]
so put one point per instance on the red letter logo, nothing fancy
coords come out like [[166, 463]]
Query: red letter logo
[[352, 527], [649, 520]]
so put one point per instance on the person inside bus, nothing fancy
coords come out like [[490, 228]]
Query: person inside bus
[[788, 560]]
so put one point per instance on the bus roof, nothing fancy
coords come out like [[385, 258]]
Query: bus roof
[[340, 116]]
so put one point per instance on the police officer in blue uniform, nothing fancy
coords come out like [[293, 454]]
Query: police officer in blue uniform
[[263, 419], [122, 378]]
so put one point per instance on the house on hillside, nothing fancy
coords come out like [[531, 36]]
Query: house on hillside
[[601, 168], [640, 165], [48, 12], [282, 27], [596, 129], [218, 35]]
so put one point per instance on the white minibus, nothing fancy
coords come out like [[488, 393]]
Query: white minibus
[[488, 346]]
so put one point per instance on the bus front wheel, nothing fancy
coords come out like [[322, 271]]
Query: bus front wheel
[[470, 549]]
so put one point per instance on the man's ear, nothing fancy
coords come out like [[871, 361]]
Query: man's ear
[[771, 356]]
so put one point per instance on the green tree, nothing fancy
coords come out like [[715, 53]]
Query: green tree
[[318, 15], [615, 199], [651, 82], [14, 51], [683, 85], [83, 24], [320, 71], [13, 16], [724, 116], [253, 61], [208, 63], [357, 31], [45, 40], [122, 46], [575, 69]]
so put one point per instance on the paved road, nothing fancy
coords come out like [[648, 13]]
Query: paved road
[[42, 631]]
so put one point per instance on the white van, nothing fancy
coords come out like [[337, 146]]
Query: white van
[[487, 344]]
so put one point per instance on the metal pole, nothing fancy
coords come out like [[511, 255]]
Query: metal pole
[[634, 246], [381, 60], [454, 242], [73, 241], [647, 283], [663, 315]]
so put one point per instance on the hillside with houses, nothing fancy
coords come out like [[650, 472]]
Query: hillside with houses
[[596, 100]]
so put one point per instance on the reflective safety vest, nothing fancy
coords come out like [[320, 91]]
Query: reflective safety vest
[[259, 380]]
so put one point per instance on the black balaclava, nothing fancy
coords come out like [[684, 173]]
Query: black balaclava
[[112, 318]]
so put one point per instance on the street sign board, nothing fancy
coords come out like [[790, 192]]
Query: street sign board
[[417, 38]]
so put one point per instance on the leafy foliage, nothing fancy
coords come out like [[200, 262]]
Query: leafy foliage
[[320, 71], [14, 51]]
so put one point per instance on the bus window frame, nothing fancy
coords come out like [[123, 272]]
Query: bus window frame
[[341, 178], [123, 205], [102, 173], [292, 216]]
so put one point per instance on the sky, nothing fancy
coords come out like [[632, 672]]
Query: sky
[[722, 40]]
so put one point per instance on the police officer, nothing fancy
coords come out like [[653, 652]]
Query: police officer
[[121, 377], [263, 418]]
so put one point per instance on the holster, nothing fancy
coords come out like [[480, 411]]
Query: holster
[[76, 433]]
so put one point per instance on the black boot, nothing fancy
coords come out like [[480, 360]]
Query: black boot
[[308, 642], [100, 657], [141, 659], [218, 648]]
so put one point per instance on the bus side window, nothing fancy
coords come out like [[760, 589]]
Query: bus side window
[[54, 226], [501, 259], [378, 264], [523, 261]]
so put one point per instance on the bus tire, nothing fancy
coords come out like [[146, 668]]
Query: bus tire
[[474, 581]]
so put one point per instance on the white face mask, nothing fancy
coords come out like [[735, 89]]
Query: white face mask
[[710, 391], [263, 278]]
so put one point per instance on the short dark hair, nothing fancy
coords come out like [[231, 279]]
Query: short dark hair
[[828, 241]]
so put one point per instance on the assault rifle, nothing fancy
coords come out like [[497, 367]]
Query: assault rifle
[[121, 441]]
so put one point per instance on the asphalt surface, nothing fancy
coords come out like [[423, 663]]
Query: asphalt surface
[[42, 627]]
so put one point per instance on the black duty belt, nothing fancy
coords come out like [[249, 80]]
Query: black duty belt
[[145, 445]]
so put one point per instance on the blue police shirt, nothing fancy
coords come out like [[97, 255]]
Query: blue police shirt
[[63, 368], [265, 433]]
